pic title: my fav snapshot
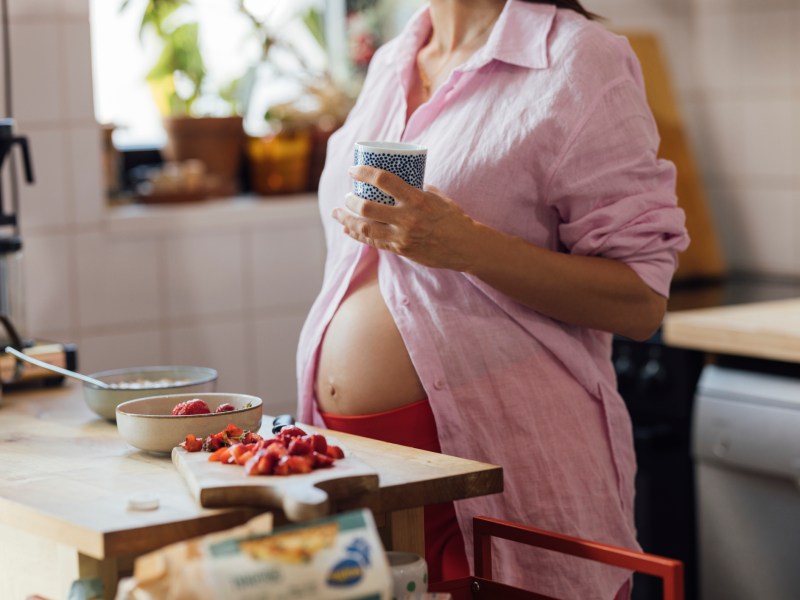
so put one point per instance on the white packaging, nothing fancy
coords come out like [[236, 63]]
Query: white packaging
[[337, 558]]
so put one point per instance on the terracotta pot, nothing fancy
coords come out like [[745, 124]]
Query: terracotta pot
[[217, 141]]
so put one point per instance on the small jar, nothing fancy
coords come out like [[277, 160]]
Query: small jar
[[12, 304]]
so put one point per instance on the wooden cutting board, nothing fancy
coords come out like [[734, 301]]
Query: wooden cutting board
[[301, 497]]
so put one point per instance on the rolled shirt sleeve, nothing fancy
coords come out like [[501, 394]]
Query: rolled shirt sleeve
[[615, 197]]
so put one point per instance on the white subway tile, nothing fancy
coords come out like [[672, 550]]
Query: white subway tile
[[46, 201], [33, 8], [764, 223], [742, 5], [204, 275], [769, 145], [118, 280], [724, 151], [37, 71], [47, 270], [121, 349], [716, 46], [220, 345], [276, 349], [287, 266], [77, 8], [86, 173], [78, 64]]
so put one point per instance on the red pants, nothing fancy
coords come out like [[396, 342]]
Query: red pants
[[413, 425]]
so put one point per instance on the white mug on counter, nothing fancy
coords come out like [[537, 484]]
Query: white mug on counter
[[409, 575]]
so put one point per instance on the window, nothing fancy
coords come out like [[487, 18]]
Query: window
[[229, 45]]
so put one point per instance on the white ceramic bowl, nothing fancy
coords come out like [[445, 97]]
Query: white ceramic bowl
[[104, 402], [147, 423]]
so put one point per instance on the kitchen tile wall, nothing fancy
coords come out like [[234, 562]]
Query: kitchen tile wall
[[234, 297], [735, 66]]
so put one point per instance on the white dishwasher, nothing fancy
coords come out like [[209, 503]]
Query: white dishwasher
[[746, 447]]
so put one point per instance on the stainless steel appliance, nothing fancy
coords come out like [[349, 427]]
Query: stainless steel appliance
[[746, 445]]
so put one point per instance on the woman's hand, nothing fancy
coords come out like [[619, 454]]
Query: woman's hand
[[423, 226]]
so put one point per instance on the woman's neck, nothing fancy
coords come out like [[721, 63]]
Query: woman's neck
[[459, 23]]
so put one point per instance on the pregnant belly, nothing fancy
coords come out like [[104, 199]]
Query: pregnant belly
[[364, 366]]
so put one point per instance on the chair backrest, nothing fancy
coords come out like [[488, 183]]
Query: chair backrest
[[484, 528]]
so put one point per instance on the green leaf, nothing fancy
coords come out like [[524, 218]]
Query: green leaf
[[315, 23]]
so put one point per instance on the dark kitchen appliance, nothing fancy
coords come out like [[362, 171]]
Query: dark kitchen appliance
[[658, 384], [12, 304]]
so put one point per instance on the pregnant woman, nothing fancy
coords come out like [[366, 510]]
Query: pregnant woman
[[476, 317]]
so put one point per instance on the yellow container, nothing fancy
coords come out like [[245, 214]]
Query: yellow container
[[279, 163]]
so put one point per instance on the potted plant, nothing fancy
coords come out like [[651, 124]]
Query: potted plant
[[290, 156], [177, 80]]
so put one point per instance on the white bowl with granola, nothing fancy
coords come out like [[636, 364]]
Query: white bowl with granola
[[139, 382]]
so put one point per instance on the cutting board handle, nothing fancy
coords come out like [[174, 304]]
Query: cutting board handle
[[303, 503]]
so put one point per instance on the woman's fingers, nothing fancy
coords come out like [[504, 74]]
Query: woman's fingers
[[366, 231], [369, 209], [384, 181]]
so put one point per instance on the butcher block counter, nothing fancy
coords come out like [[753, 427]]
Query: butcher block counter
[[66, 480], [765, 330]]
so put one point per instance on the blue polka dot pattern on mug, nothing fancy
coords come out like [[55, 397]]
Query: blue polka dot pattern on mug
[[404, 160]]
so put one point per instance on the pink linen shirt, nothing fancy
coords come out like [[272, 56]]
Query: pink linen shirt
[[544, 133]]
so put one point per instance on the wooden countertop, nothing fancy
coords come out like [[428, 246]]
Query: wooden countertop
[[66, 476], [767, 330]]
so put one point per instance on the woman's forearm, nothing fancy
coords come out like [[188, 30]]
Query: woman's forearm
[[587, 291]]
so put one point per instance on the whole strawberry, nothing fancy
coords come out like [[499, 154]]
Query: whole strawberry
[[227, 407], [191, 407]]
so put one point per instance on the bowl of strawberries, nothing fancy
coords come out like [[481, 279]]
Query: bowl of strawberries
[[159, 423]]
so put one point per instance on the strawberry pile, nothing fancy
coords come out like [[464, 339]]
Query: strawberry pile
[[289, 451], [199, 407]]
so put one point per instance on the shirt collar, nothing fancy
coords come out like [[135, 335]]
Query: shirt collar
[[519, 37]]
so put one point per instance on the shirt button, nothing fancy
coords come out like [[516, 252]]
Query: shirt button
[[405, 301], [438, 384]]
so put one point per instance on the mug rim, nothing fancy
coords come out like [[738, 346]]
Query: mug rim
[[391, 147], [404, 559]]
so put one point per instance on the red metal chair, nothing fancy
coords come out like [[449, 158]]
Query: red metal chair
[[483, 587]]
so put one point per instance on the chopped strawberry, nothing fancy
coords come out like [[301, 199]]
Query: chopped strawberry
[[300, 446], [227, 407], [276, 449], [232, 431], [244, 457], [321, 461], [221, 455], [250, 437], [192, 443], [191, 407], [214, 442], [291, 431], [299, 464], [236, 450], [282, 467], [334, 452], [319, 443]]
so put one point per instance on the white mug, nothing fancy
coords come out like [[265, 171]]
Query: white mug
[[409, 575], [407, 161]]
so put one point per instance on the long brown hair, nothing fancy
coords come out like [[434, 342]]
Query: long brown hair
[[572, 4]]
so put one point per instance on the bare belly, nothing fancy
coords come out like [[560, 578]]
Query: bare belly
[[364, 366]]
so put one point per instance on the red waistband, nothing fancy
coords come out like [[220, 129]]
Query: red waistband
[[410, 425]]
